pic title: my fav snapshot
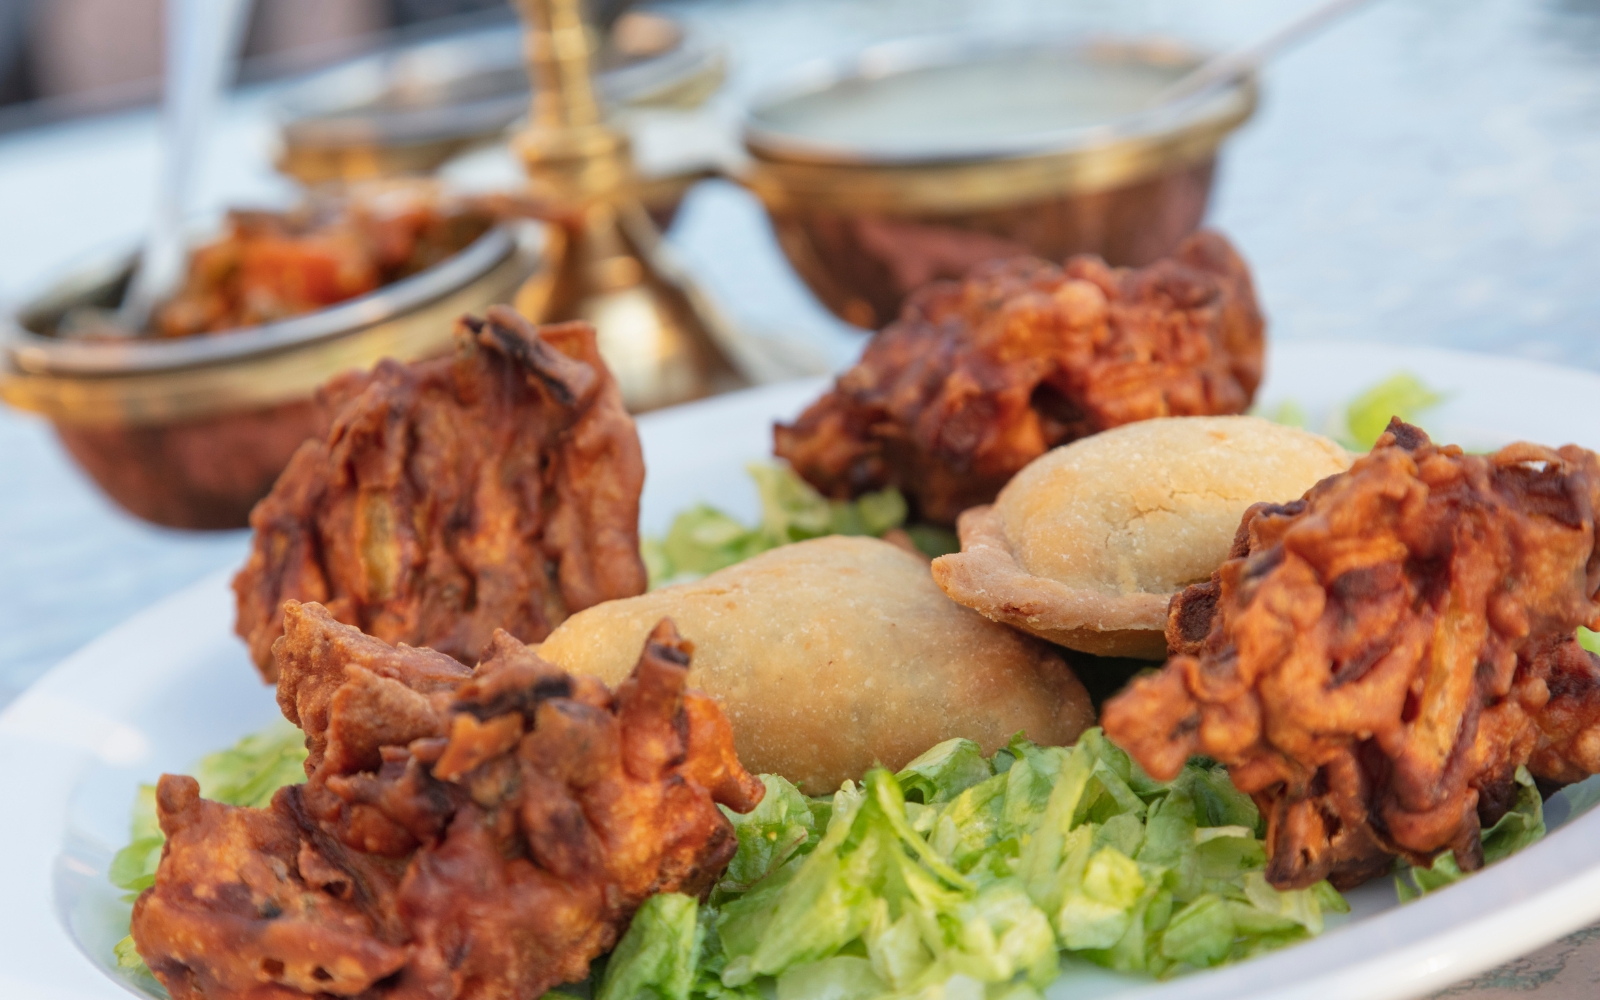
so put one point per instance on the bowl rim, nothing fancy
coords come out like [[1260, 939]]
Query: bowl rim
[[331, 108], [1225, 108], [30, 353]]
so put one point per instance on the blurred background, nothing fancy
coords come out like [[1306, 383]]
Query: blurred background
[[66, 58]]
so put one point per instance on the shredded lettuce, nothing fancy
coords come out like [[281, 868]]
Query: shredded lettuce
[[1589, 640], [1522, 825], [769, 835], [1400, 395], [129, 959], [962, 877], [656, 957], [703, 539], [251, 771], [245, 774], [967, 877], [1361, 422]]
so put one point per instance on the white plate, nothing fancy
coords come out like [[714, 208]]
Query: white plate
[[174, 683]]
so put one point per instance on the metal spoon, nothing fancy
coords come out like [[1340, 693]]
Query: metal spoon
[[1223, 69], [202, 46]]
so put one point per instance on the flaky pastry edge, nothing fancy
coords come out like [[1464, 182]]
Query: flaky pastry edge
[[987, 577]]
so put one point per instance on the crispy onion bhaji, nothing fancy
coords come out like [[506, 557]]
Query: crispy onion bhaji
[[478, 834], [452, 497], [979, 377], [1375, 660]]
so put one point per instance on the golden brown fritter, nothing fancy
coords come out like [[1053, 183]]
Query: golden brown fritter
[[481, 834], [1375, 660], [979, 377], [449, 498]]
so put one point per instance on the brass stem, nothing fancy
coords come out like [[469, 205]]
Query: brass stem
[[560, 49], [651, 332]]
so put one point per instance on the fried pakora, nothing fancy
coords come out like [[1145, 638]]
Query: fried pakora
[[269, 266], [452, 497], [979, 377], [481, 834], [1376, 660]]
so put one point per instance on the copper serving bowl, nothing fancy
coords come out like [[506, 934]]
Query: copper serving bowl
[[191, 432], [916, 160]]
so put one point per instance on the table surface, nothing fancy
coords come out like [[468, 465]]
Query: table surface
[[1422, 172]]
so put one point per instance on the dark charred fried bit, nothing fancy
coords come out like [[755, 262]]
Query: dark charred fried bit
[[979, 377], [1376, 660], [449, 498], [477, 834]]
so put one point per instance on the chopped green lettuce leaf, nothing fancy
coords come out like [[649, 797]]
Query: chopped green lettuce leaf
[[944, 772], [781, 826], [1589, 640], [251, 771], [129, 961], [1362, 421], [1400, 395], [971, 873], [842, 977], [245, 774], [134, 867], [962, 877], [1522, 825], [703, 539], [655, 960]]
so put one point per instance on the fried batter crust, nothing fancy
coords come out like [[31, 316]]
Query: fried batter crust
[[449, 498], [979, 377], [1375, 660], [480, 834], [1086, 546]]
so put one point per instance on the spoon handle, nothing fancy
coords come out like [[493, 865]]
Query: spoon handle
[[1229, 66], [202, 43]]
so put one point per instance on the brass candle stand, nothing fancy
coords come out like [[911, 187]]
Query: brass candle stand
[[607, 263]]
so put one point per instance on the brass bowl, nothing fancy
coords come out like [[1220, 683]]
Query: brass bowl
[[191, 432], [916, 160]]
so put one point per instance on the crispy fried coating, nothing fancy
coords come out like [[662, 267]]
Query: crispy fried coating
[[1087, 545], [979, 377], [1375, 660], [481, 834], [449, 498], [888, 665]]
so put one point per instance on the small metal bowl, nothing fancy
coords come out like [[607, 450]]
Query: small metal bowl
[[408, 110], [916, 160], [191, 432]]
